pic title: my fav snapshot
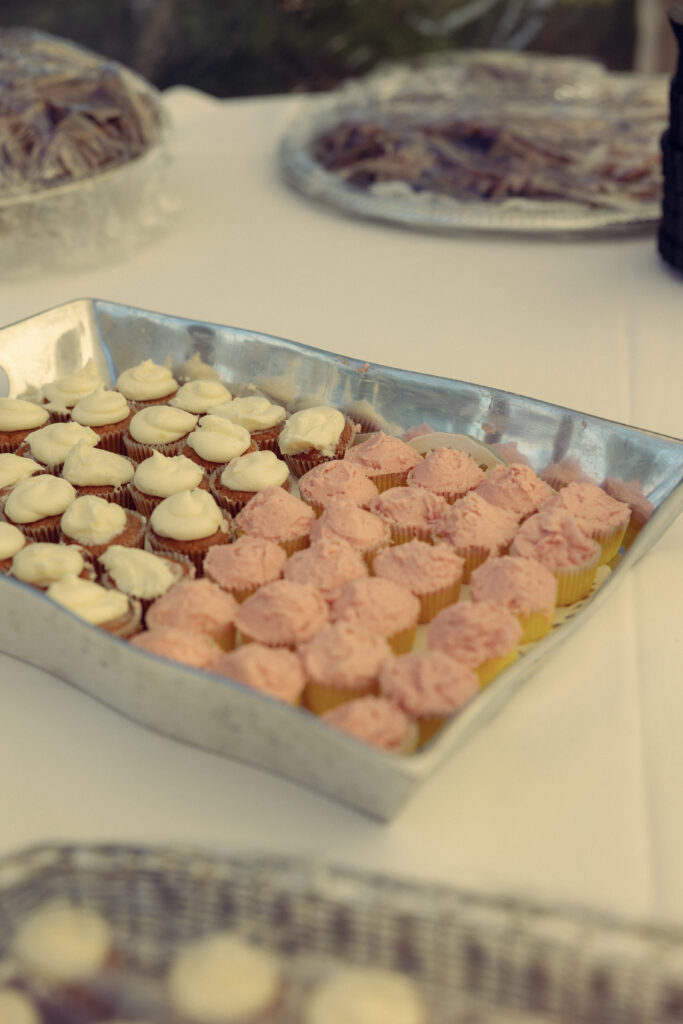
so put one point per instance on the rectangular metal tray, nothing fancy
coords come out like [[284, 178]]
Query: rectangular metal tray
[[214, 713]]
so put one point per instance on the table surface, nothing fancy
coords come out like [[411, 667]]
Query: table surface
[[573, 792]]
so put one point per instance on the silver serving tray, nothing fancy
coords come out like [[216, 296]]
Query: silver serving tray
[[478, 959], [215, 713]]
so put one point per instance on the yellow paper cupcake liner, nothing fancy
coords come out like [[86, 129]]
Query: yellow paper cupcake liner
[[492, 667], [322, 697], [432, 604], [402, 642], [574, 584], [610, 541], [535, 625]]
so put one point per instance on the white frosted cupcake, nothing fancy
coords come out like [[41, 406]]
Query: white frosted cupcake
[[98, 472], [37, 504], [50, 445], [95, 523], [365, 995], [107, 413], [188, 523], [60, 942], [17, 1008], [141, 574], [12, 540], [216, 441], [158, 428], [17, 419], [160, 476], [313, 436], [114, 612], [199, 395], [41, 565], [146, 383], [61, 395], [245, 476], [263, 419], [14, 469]]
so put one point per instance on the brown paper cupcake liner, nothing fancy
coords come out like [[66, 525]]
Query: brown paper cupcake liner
[[44, 531], [118, 494], [136, 404], [266, 440], [132, 536], [210, 467], [127, 625], [384, 481], [138, 452], [195, 550], [111, 435], [302, 462], [10, 440], [146, 503], [60, 416], [233, 501], [402, 641]]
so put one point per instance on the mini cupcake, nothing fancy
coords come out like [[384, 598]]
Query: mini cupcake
[[567, 471], [510, 453], [222, 978], [484, 636], [14, 469], [336, 478], [313, 436], [382, 607], [243, 567], [476, 530], [12, 540], [342, 520], [274, 671], [263, 419], [384, 459], [158, 428], [18, 419], [516, 489], [447, 472], [17, 1008], [60, 396], [140, 574], [630, 493], [180, 645], [341, 662], [554, 538], [63, 943], [188, 523], [198, 396], [160, 476], [410, 512], [37, 504], [40, 565], [328, 565], [430, 687], [376, 721], [276, 515], [147, 383], [245, 476], [108, 414], [282, 614], [95, 523], [196, 606], [114, 612], [216, 441], [600, 516], [366, 994], [50, 445], [522, 585], [99, 473], [432, 573]]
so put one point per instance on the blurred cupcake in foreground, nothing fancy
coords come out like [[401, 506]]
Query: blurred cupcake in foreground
[[328, 565], [631, 493], [40, 565], [17, 1008], [99, 473], [61, 395], [343, 520], [599, 515], [245, 476], [274, 671], [282, 614], [50, 445], [110, 610], [476, 530], [378, 722], [366, 995], [108, 414], [386, 460], [216, 441], [158, 428], [197, 606], [313, 436], [61, 943], [198, 396], [188, 523], [17, 419], [522, 585], [146, 383], [336, 478], [95, 523], [432, 573], [342, 662], [37, 504], [181, 645], [554, 538], [244, 566], [263, 419], [160, 476], [516, 489], [430, 687], [483, 636], [274, 514], [447, 472], [410, 512], [14, 469], [12, 541], [382, 607]]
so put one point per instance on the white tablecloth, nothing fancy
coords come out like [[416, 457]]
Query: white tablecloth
[[574, 791]]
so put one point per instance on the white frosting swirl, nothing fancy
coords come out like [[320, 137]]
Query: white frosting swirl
[[51, 444], [254, 472], [94, 467], [199, 395], [61, 941], [219, 440], [37, 498], [92, 520], [11, 540], [163, 475], [161, 424], [252, 413], [319, 427], [366, 994], [147, 380], [137, 573], [16, 1008], [100, 408], [189, 515], [65, 392], [90, 601], [17, 414], [14, 468], [43, 564]]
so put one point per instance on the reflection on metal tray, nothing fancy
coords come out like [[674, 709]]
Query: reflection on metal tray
[[214, 713], [479, 959]]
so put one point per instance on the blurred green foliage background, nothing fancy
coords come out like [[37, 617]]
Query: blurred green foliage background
[[249, 47]]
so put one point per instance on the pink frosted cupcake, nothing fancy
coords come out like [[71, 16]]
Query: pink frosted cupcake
[[631, 493], [432, 573], [274, 514], [510, 453], [483, 636], [337, 478], [410, 512], [282, 614], [341, 662], [567, 471], [274, 671], [522, 585], [342, 520], [516, 489], [430, 687], [180, 645], [476, 531], [241, 568], [554, 538], [377, 722], [386, 460], [382, 607], [314, 436], [159, 428], [197, 606], [600, 516], [328, 565], [447, 472]]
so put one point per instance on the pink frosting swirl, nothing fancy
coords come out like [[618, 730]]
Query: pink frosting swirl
[[420, 567], [275, 514], [274, 671], [344, 655], [198, 606], [446, 471], [515, 488], [473, 633], [473, 522], [250, 561], [428, 684], [327, 565], [409, 506], [376, 721], [522, 585], [382, 453], [282, 614], [592, 507], [343, 520], [196, 649], [631, 493], [377, 605], [337, 479], [554, 538]]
